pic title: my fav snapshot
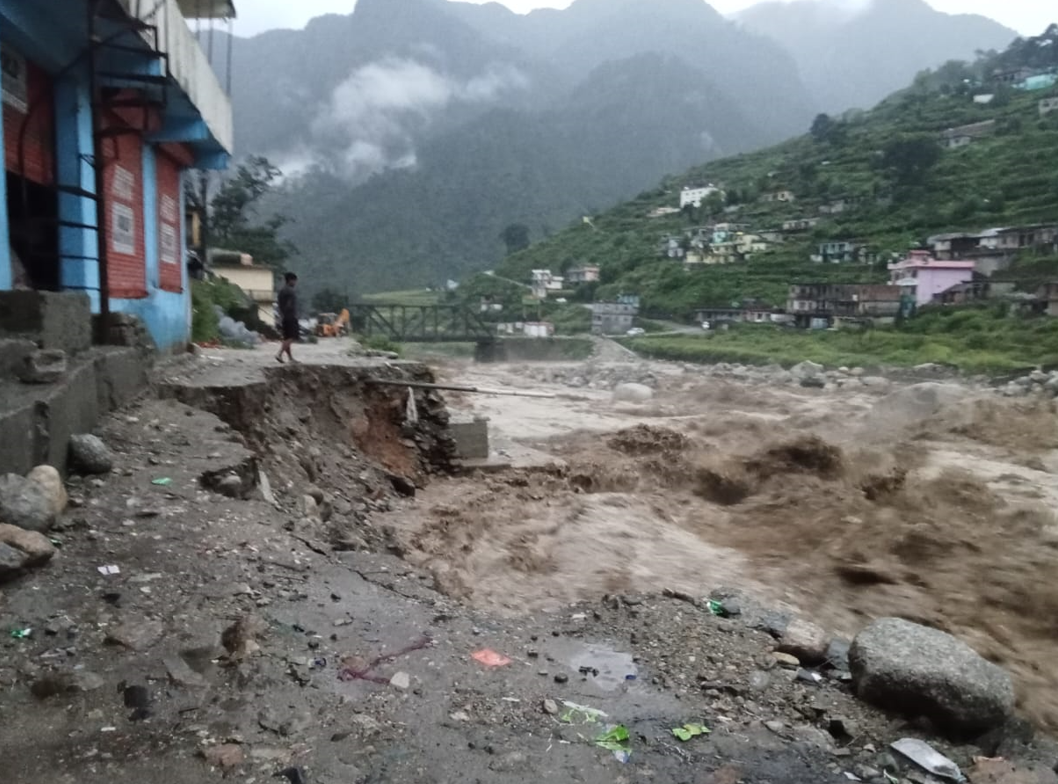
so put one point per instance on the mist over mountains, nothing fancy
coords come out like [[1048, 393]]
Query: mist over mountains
[[413, 131]]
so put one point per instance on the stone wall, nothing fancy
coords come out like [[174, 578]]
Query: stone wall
[[51, 320], [36, 422]]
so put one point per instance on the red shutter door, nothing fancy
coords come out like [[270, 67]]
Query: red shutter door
[[170, 263], [123, 197], [29, 118]]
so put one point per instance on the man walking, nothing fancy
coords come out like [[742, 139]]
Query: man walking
[[288, 316]]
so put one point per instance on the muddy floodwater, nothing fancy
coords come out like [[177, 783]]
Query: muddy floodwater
[[930, 501]]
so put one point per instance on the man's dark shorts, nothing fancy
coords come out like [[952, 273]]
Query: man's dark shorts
[[291, 329]]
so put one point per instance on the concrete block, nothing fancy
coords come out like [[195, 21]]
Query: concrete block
[[121, 375], [43, 367], [53, 320], [471, 437], [23, 443], [72, 408], [13, 353]]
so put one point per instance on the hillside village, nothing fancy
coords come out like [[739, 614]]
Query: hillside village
[[844, 226]]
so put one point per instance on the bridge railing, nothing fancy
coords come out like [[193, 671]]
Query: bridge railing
[[421, 323]]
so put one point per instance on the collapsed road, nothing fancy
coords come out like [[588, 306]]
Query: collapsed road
[[279, 574]]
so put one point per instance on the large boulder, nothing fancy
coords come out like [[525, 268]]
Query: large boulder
[[89, 455], [632, 393], [804, 640], [21, 549], [25, 503], [902, 666], [36, 548], [48, 478]]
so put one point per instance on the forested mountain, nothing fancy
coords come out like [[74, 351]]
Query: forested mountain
[[412, 132], [855, 58], [882, 180]]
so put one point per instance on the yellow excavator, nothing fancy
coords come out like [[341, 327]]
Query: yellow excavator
[[332, 325]]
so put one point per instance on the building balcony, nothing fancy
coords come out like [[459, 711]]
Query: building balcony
[[188, 64]]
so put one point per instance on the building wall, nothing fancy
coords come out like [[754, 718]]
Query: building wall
[[935, 281], [29, 152], [123, 186]]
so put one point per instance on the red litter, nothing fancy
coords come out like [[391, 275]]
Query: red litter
[[490, 658]]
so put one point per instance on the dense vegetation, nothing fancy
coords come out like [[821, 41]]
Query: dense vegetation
[[889, 162], [975, 340]]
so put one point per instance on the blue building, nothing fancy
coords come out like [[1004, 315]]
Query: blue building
[[106, 105]]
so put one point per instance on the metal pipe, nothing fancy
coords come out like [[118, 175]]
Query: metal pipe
[[455, 388], [100, 182]]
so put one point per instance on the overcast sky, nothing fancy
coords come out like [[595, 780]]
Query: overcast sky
[[1027, 16]]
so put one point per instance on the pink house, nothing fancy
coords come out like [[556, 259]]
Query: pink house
[[928, 277]]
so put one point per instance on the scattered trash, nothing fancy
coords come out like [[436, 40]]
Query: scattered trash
[[106, 571], [809, 677], [622, 756], [630, 677], [163, 481], [22, 634], [716, 608], [589, 671], [357, 670], [490, 658], [581, 714], [852, 776], [615, 739], [293, 775], [923, 755], [689, 731], [319, 663]]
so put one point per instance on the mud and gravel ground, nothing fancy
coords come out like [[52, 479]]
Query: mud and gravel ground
[[557, 564]]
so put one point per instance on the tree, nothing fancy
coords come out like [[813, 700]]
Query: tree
[[327, 300], [516, 237], [822, 127], [910, 157], [233, 222]]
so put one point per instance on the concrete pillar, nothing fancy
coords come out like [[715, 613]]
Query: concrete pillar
[[78, 246], [6, 274]]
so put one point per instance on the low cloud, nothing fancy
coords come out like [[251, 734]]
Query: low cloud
[[371, 119]]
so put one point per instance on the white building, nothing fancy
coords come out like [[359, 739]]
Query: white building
[[695, 196], [544, 282]]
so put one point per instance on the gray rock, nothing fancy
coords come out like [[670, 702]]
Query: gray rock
[[12, 561], [230, 485], [181, 674], [35, 547], [43, 367], [837, 656], [804, 640], [875, 382], [807, 370], [25, 503], [759, 680], [902, 666], [89, 455], [632, 393], [401, 681]]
